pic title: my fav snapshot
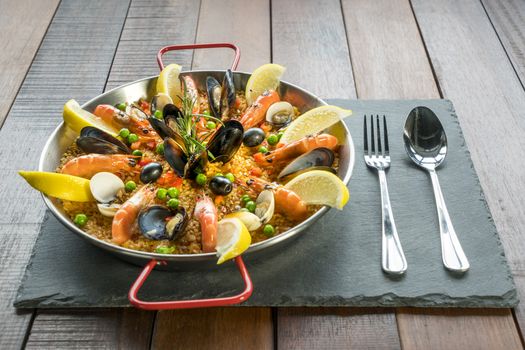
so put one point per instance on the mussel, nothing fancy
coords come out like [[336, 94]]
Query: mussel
[[226, 141], [175, 156], [253, 137], [221, 97], [280, 114], [319, 158], [159, 101], [150, 172], [94, 140], [158, 222]]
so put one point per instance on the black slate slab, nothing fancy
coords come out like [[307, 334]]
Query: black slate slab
[[334, 263]]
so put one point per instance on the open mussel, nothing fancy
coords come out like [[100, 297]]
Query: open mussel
[[94, 140], [175, 156], [226, 141], [158, 222], [319, 158], [221, 97]]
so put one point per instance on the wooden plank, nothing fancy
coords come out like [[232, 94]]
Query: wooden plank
[[508, 19], [245, 24], [65, 66], [336, 328], [222, 328], [19, 43], [457, 329], [489, 100], [100, 329], [309, 39]]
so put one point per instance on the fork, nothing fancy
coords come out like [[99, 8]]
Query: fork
[[392, 257]]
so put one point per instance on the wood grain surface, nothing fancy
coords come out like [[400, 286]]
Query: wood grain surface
[[489, 101], [19, 43]]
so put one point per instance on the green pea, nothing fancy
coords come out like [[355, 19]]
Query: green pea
[[160, 148], [158, 114], [173, 203], [122, 106], [164, 250], [206, 113], [273, 139], [219, 174], [130, 186], [124, 133], [80, 220], [133, 138], [280, 134], [230, 177], [162, 193], [251, 206], [211, 125], [201, 179], [173, 192], [137, 153], [245, 198], [263, 149], [268, 230]]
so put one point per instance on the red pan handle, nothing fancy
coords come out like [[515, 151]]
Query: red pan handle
[[200, 46], [188, 304]]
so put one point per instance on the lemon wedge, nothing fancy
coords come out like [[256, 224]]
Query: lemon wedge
[[169, 83], [266, 77], [77, 118], [233, 239], [250, 220], [314, 121], [320, 187], [67, 187]]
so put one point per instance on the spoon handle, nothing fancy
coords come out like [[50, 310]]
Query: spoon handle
[[392, 257], [452, 253]]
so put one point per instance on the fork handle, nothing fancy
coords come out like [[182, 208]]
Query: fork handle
[[452, 253], [392, 257]]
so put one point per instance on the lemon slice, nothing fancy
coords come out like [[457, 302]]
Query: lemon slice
[[233, 239], [320, 187], [250, 220], [169, 83], [77, 118], [266, 77], [71, 188], [314, 121]]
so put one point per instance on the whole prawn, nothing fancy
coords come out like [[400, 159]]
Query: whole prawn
[[296, 148], [287, 202], [206, 212], [256, 112], [88, 165], [124, 221], [118, 119]]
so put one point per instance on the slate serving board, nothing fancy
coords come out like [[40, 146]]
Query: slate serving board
[[336, 262]]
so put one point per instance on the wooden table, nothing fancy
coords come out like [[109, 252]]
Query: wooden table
[[469, 51]]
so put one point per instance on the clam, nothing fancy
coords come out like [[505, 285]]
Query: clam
[[265, 206], [221, 97], [105, 187], [150, 172], [94, 140], [253, 137], [250, 220], [158, 222], [159, 101], [280, 114], [226, 141], [108, 209], [319, 158]]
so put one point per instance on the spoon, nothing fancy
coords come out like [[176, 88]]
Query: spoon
[[426, 144]]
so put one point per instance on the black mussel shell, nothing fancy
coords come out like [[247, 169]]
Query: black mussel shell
[[171, 111], [175, 156], [153, 225], [161, 128], [226, 141], [150, 172], [94, 140], [220, 185], [196, 164], [214, 91], [320, 158], [227, 93], [253, 137]]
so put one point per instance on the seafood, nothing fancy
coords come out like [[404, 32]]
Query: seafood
[[256, 113], [319, 158], [192, 92], [221, 97], [123, 223], [206, 213], [105, 187], [297, 148], [94, 140], [280, 114], [226, 141], [158, 222], [88, 165], [118, 119]]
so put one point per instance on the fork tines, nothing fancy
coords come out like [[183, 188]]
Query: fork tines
[[375, 141]]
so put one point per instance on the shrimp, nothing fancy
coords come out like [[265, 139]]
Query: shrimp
[[88, 165], [206, 213], [124, 221], [296, 148], [255, 114], [287, 202], [118, 119], [193, 93]]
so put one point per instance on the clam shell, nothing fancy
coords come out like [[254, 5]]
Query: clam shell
[[265, 206], [108, 210], [105, 186], [280, 113]]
